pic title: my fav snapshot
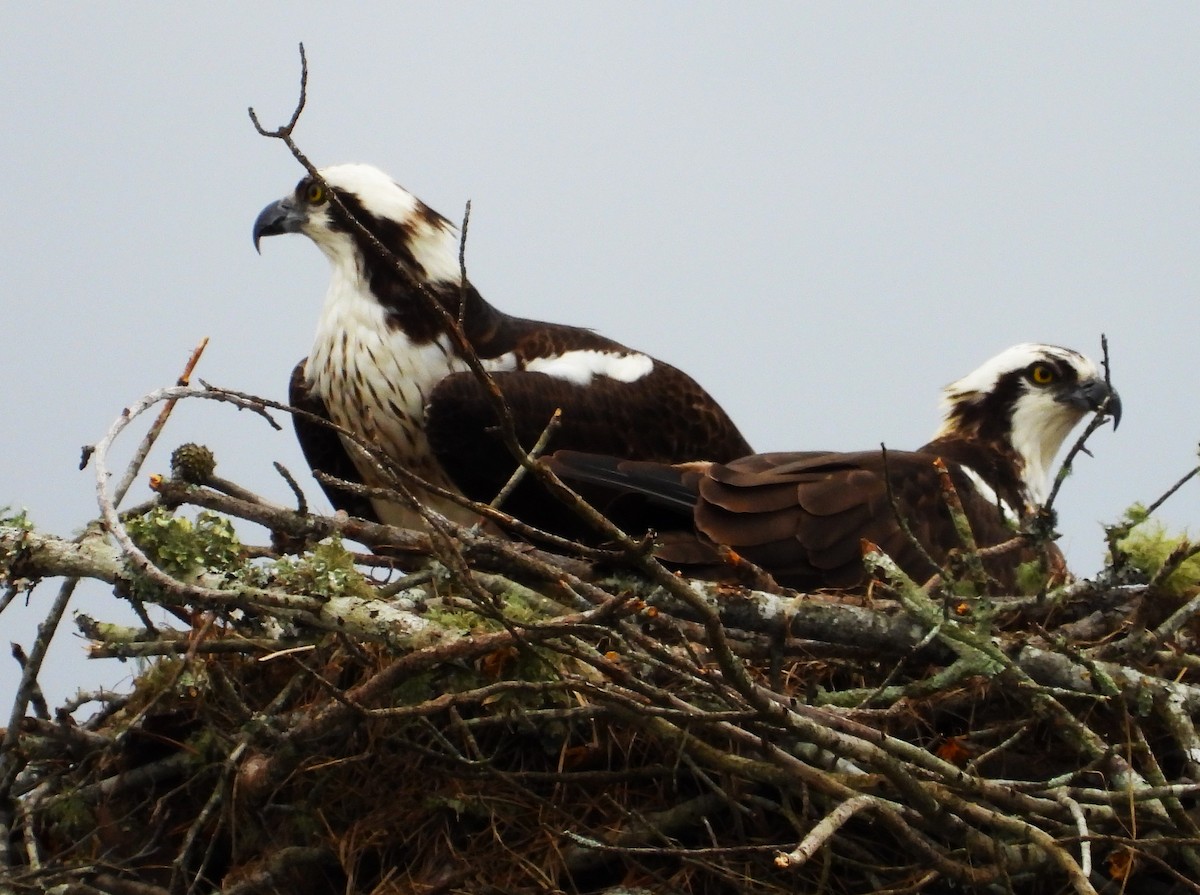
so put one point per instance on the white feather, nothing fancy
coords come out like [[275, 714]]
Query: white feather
[[579, 367], [988, 493], [1039, 426]]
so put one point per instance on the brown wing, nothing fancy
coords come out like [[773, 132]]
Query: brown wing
[[801, 516], [837, 501], [664, 416], [323, 448]]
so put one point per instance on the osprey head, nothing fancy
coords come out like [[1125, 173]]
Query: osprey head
[[1025, 401], [423, 241]]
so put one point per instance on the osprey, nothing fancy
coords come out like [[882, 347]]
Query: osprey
[[386, 366], [803, 516]]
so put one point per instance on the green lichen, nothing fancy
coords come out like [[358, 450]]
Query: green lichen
[[10, 518], [461, 620], [184, 548], [1147, 545], [172, 677], [415, 689], [72, 814], [207, 745], [10, 553], [1031, 577], [327, 571]]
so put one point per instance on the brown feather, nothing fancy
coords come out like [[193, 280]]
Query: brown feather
[[802, 516], [650, 419]]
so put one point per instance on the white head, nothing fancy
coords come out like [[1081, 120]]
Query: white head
[[1027, 399], [424, 241]]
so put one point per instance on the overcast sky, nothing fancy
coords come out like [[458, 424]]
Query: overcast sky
[[824, 213]]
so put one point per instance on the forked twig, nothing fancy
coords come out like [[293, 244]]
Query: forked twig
[[534, 452], [286, 130], [1098, 419]]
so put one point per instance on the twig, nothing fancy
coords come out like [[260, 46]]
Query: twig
[[1099, 419], [962, 525], [509, 523], [1179, 617], [11, 760], [286, 130], [155, 430], [821, 833], [1183, 551], [197, 828], [902, 521], [36, 697], [1081, 826], [462, 265], [169, 768], [301, 500], [1166, 495], [534, 452]]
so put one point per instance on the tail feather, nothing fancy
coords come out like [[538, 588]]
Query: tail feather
[[672, 487]]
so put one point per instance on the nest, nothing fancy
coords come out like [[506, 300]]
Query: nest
[[471, 714]]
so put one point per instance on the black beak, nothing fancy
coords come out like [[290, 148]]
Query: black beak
[[1096, 395], [278, 217]]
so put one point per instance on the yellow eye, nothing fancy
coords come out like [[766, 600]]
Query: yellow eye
[[315, 194], [1040, 374]]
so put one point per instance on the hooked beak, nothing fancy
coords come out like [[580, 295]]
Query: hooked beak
[[278, 217], [1095, 394]]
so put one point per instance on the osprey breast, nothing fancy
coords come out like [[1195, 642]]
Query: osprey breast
[[375, 382]]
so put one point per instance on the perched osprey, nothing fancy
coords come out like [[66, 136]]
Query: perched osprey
[[802, 516], [385, 365]]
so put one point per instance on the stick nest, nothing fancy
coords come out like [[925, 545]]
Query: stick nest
[[474, 715]]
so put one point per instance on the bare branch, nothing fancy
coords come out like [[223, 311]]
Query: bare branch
[[1098, 419], [286, 130], [151, 436]]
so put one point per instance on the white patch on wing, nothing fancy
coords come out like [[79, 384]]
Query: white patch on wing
[[988, 493], [376, 382], [579, 367]]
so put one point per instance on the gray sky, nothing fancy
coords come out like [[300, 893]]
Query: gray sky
[[822, 212]]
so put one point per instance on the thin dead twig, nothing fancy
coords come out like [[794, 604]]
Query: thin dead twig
[[534, 452], [1046, 511], [156, 428]]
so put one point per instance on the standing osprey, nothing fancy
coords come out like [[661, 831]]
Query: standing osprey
[[386, 367], [803, 516]]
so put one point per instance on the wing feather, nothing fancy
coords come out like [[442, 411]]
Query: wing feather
[[654, 421], [803, 516]]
